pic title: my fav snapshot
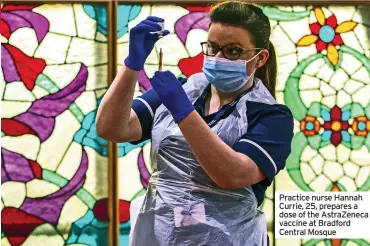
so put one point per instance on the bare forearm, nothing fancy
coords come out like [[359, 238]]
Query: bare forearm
[[226, 167], [114, 111]]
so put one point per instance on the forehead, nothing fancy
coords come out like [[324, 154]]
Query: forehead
[[224, 34]]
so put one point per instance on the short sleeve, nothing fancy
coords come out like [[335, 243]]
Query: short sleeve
[[268, 139], [145, 107]]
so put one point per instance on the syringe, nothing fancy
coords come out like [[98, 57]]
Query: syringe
[[160, 36], [160, 47]]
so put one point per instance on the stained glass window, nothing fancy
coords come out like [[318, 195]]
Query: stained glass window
[[53, 166], [54, 73], [323, 78]]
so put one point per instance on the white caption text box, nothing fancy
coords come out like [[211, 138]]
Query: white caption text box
[[322, 214]]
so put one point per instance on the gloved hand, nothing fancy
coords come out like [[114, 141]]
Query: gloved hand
[[142, 42], [172, 95]]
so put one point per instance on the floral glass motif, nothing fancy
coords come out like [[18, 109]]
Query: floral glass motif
[[326, 34], [54, 166]]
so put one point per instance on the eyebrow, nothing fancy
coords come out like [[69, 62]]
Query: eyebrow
[[229, 44], [238, 44]]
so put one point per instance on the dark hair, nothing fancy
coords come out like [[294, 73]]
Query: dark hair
[[252, 19]]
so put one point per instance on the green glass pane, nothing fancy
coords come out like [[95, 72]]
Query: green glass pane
[[328, 242], [312, 242], [46, 83], [86, 197], [341, 187], [292, 96], [314, 109], [367, 142], [348, 145], [77, 112], [325, 143], [357, 141], [347, 107], [367, 111], [357, 110], [275, 13], [300, 142], [360, 242], [324, 107], [54, 178], [293, 100], [314, 141], [365, 186], [297, 176]]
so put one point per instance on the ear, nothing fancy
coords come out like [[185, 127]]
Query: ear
[[262, 58]]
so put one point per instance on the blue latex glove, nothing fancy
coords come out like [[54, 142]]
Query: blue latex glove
[[142, 42], [172, 95]]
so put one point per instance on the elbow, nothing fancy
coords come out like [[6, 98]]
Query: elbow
[[240, 181], [107, 129], [112, 135], [101, 129], [109, 136], [100, 125], [232, 186], [237, 177], [231, 183], [104, 131], [101, 132], [224, 185]]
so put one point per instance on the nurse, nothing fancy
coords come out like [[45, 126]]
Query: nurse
[[218, 138]]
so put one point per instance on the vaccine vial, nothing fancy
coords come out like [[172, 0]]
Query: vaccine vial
[[160, 33]]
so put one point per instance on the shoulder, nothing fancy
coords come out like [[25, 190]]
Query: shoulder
[[195, 84], [197, 79], [277, 113], [198, 76]]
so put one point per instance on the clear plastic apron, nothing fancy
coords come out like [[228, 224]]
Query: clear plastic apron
[[183, 206]]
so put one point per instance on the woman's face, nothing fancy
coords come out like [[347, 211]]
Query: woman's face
[[221, 35]]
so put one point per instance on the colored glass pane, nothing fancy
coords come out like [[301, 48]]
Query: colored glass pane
[[54, 74], [322, 78], [54, 167]]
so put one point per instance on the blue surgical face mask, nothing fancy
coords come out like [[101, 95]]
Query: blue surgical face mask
[[226, 75]]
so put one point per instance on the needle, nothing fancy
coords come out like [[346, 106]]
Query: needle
[[160, 59]]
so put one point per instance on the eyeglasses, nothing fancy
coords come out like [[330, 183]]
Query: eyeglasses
[[229, 52]]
